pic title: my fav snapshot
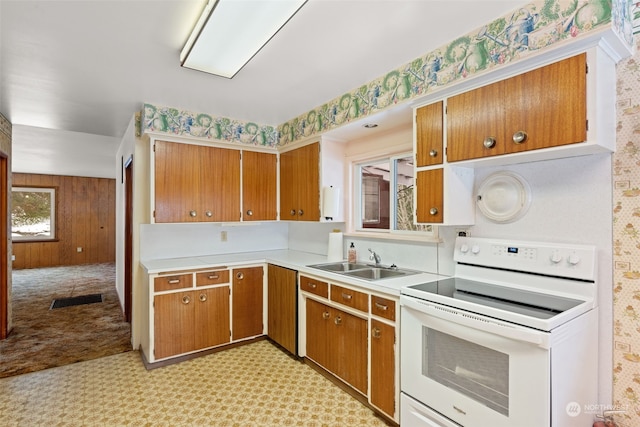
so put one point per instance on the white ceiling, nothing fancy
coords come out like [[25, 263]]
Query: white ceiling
[[86, 66]]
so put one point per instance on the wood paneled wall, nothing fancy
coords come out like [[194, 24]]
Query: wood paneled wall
[[85, 218]]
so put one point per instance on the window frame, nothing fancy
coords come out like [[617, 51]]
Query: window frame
[[356, 224], [53, 191]]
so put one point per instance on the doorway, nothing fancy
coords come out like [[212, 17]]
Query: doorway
[[4, 246], [128, 238]]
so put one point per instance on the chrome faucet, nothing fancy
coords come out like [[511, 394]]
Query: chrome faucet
[[374, 256]]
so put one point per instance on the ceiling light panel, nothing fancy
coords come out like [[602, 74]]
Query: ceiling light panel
[[230, 32]]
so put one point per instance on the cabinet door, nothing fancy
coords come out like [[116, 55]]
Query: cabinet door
[[300, 184], [259, 186], [288, 201], [247, 302], [318, 322], [211, 324], [548, 105], [308, 182], [177, 183], [348, 347], [282, 306], [429, 135], [174, 316], [383, 362], [429, 200], [220, 171], [472, 117]]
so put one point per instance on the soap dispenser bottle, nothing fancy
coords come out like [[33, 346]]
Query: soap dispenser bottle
[[351, 255]]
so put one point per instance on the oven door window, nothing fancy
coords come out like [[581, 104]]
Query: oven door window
[[478, 372]]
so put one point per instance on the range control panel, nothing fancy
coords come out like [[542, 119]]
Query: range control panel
[[575, 261]]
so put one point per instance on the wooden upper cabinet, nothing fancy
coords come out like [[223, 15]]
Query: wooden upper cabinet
[[177, 183], [472, 118], [542, 108], [300, 183], [429, 135], [551, 106], [221, 176], [259, 186], [430, 196], [195, 183]]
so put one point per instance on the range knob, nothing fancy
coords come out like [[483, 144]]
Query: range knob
[[475, 249], [464, 248], [555, 257], [574, 259]]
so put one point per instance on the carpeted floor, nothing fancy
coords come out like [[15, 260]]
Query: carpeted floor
[[42, 338]]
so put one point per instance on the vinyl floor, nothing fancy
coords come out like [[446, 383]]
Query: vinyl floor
[[252, 385]]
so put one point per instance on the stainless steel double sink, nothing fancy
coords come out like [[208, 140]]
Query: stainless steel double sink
[[364, 271]]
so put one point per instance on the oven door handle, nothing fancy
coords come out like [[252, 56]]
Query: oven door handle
[[475, 321]]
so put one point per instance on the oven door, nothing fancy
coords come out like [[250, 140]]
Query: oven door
[[474, 370]]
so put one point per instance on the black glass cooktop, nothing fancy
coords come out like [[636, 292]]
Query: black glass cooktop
[[534, 304]]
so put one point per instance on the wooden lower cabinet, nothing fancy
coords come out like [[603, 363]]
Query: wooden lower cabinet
[[337, 341], [190, 320], [247, 302], [383, 362], [282, 306], [212, 317]]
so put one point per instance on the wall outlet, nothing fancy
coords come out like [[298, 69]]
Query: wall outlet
[[13, 257], [223, 236], [79, 249], [462, 232]]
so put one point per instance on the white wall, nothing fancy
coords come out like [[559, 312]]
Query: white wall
[[60, 152], [159, 241]]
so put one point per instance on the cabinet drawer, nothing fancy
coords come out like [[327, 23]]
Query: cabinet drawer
[[177, 281], [350, 298], [314, 286], [383, 307], [212, 277]]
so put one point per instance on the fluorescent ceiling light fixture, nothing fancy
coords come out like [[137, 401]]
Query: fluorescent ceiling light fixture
[[230, 32]]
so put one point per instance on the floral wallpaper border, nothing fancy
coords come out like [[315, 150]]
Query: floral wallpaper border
[[528, 29]]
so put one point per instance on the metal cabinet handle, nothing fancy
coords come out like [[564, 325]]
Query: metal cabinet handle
[[203, 297], [376, 332], [433, 153], [338, 320], [382, 306], [433, 211], [312, 285], [193, 213], [239, 275], [489, 142], [520, 137], [186, 299], [292, 212], [209, 214], [325, 315], [213, 276], [249, 212], [346, 296], [300, 212], [174, 281]]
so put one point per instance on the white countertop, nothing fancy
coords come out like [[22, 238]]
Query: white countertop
[[295, 260]]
